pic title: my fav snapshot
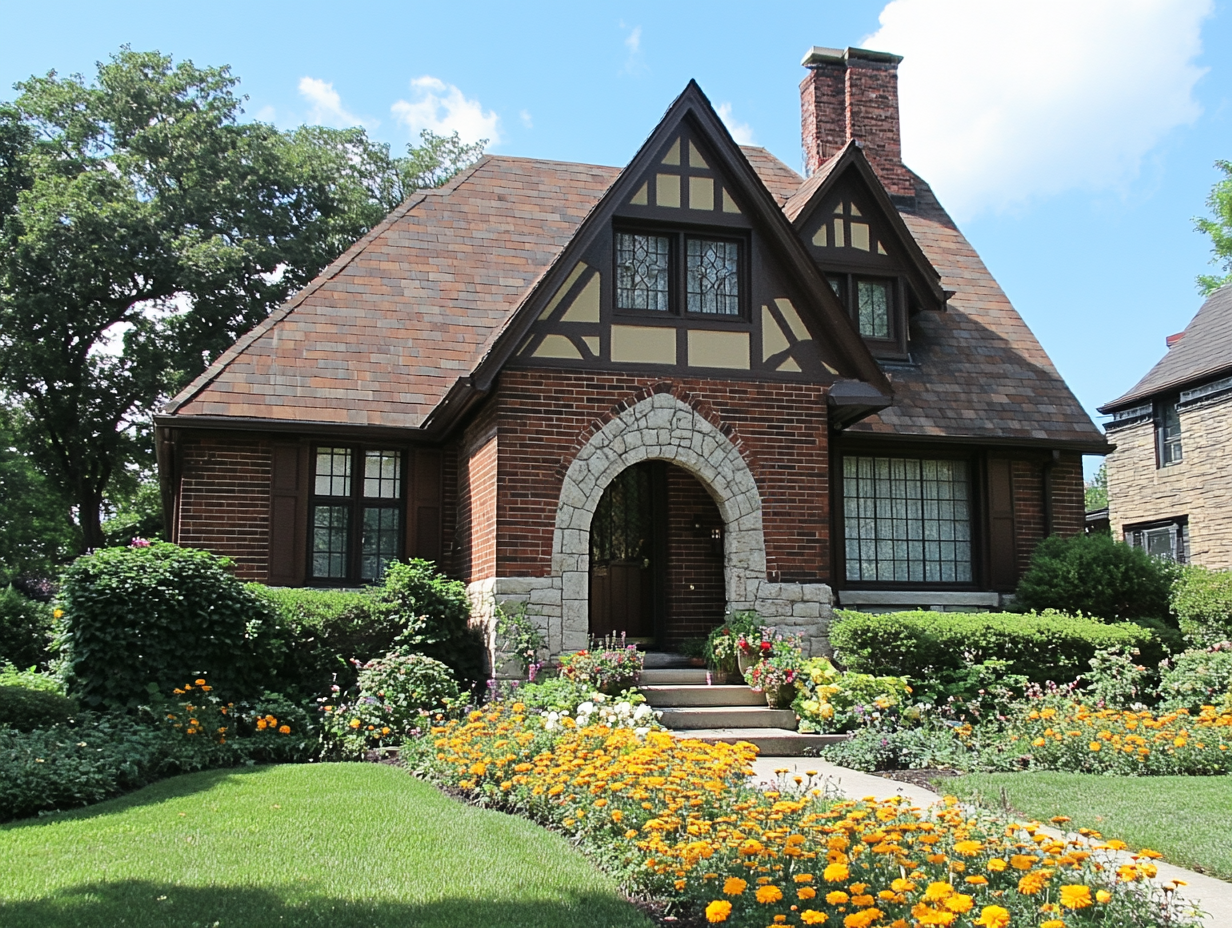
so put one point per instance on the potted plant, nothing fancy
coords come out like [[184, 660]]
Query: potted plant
[[695, 650], [776, 677], [609, 665], [722, 646]]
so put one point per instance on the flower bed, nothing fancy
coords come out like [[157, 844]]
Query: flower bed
[[677, 819]]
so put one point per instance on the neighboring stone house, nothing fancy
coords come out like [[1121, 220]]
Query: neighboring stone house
[[1170, 477], [638, 397]]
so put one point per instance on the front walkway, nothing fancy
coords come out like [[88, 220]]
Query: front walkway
[[1213, 896]]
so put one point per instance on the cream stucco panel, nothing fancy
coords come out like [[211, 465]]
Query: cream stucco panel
[[701, 193], [729, 205], [798, 328], [667, 190], [585, 308], [642, 197], [695, 157], [772, 338], [719, 349], [643, 344], [564, 288], [673, 153], [592, 342], [557, 346]]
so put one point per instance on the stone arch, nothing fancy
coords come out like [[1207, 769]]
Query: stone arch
[[659, 428]]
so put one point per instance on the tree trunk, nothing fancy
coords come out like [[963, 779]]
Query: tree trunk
[[90, 517]]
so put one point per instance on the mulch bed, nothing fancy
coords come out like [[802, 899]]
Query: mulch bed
[[922, 778]]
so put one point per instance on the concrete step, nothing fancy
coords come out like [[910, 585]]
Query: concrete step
[[676, 676], [693, 717], [676, 695], [778, 742], [657, 660]]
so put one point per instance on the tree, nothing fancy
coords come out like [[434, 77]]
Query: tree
[[1219, 229], [144, 229], [36, 530], [1096, 492]]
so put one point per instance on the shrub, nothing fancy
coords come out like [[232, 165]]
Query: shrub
[[30, 679], [25, 630], [556, 694], [1095, 575], [159, 615], [323, 631], [518, 637], [435, 614], [832, 701], [1195, 679], [1202, 600], [27, 709], [392, 701], [922, 645]]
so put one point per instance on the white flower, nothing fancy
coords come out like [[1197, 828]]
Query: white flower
[[641, 712], [641, 732], [624, 709], [586, 708]]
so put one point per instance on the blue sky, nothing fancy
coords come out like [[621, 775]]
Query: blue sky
[[1074, 141]]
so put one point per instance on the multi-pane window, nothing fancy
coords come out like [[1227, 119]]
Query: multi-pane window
[[869, 300], [1168, 433], [907, 520], [712, 279], [356, 519], [1169, 540], [642, 271]]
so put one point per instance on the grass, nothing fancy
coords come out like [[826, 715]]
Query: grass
[[304, 846], [1184, 818]]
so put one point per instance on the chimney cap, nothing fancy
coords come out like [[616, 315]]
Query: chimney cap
[[819, 54]]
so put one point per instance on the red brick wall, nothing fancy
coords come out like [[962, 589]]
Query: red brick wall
[[475, 530], [224, 500], [1068, 508], [545, 417], [696, 595]]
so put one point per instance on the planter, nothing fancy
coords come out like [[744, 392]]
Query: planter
[[746, 661], [697, 662], [782, 697], [723, 677], [618, 686]]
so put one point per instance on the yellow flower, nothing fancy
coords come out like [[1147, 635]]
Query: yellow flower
[[1032, 883], [803, 877], [57, 613], [976, 880], [813, 917], [734, 886], [355, 723], [284, 729], [996, 865], [1076, 896], [1053, 923], [835, 873], [769, 894], [993, 916], [199, 682], [261, 725], [805, 893], [1102, 895], [968, 848], [838, 897], [718, 911], [938, 891]]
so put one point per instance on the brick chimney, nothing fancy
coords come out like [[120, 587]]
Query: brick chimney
[[852, 93]]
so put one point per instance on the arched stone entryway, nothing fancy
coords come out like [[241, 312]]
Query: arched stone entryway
[[659, 428]]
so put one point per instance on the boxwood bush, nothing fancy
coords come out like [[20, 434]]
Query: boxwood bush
[[156, 616], [25, 630], [917, 645], [1203, 602], [27, 709]]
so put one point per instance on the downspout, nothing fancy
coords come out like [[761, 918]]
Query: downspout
[[1048, 466]]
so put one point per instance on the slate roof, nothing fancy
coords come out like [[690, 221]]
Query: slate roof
[[380, 337], [1204, 351]]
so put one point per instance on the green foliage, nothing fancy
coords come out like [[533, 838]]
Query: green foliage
[[608, 665], [920, 645], [393, 700], [1202, 600], [324, 635], [156, 616], [127, 194], [31, 679], [1096, 575], [518, 636], [25, 630], [36, 532], [889, 747], [27, 709], [135, 511], [1116, 678], [1219, 228], [555, 694], [435, 612], [833, 701], [1095, 493], [1197, 678], [722, 643]]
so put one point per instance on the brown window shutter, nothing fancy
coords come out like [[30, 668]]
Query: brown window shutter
[[1003, 568], [288, 515], [423, 536]]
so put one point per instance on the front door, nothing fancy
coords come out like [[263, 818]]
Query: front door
[[623, 562]]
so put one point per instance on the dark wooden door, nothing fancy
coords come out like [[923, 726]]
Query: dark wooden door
[[622, 557]]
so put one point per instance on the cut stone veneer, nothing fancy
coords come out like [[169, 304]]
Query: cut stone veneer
[[659, 428]]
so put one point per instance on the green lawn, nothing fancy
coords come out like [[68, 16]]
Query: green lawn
[[1185, 818], [329, 845]]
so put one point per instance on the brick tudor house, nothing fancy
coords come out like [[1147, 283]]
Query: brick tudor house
[[635, 398], [1168, 486]]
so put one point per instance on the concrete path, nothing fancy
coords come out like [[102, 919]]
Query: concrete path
[[1212, 896]]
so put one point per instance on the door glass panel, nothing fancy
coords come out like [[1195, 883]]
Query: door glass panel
[[620, 530]]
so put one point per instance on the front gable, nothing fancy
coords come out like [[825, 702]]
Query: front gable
[[687, 264]]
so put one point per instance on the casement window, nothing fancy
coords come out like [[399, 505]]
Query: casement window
[[679, 273], [356, 513], [872, 302], [1167, 433], [907, 520], [1168, 539]]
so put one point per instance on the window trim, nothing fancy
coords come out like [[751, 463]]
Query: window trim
[[356, 503], [895, 346], [975, 519], [1165, 446], [677, 271], [1134, 535]]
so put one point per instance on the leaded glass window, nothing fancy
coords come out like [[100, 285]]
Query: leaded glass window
[[642, 271], [873, 309], [356, 517], [712, 280], [907, 520]]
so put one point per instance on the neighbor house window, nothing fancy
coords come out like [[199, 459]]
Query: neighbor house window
[[1169, 539], [1168, 433], [356, 513], [678, 273], [907, 520]]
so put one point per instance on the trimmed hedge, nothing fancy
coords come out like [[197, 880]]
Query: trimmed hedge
[[917, 645], [25, 630], [27, 709], [1203, 602]]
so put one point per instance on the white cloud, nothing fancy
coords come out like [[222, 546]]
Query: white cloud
[[526, 120], [635, 62], [742, 132], [443, 109], [633, 41], [1003, 103], [327, 108]]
